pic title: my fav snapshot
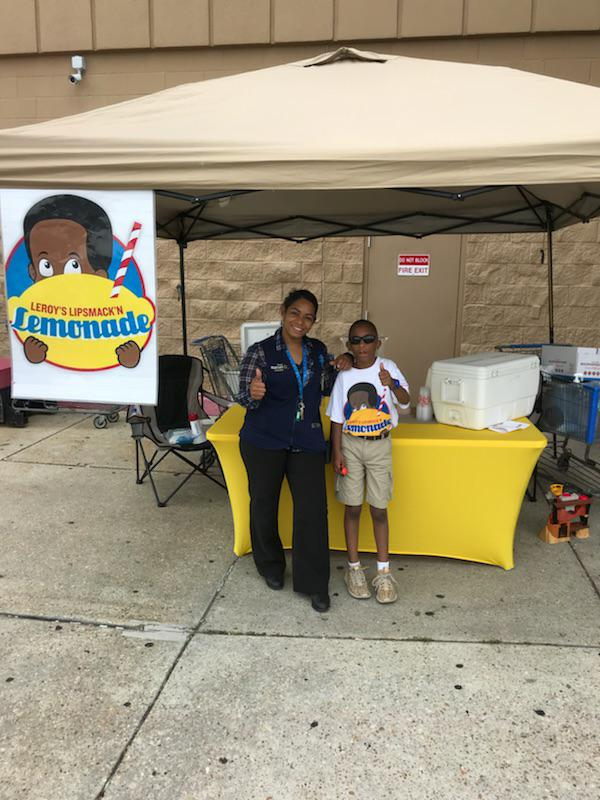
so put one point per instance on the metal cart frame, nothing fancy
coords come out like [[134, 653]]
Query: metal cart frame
[[103, 413]]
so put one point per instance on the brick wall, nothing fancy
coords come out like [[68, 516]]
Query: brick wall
[[49, 26], [230, 282], [506, 289]]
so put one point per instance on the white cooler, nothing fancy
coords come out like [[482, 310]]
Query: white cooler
[[483, 389]]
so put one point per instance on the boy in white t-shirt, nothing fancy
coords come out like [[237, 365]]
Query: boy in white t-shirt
[[362, 409]]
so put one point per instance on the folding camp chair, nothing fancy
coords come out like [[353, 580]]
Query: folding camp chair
[[222, 364], [179, 386]]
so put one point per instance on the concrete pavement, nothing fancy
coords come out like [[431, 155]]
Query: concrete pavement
[[140, 659]]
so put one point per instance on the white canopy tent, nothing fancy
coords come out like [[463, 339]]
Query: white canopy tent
[[349, 143]]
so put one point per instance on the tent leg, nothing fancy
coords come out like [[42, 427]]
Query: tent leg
[[182, 246], [550, 277]]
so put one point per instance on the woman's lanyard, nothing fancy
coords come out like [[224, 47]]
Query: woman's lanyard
[[300, 380]]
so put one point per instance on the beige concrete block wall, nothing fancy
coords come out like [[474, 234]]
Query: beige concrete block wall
[[119, 25], [74, 30], [558, 15], [431, 18], [38, 26], [231, 282], [506, 289], [314, 23], [381, 21], [180, 23], [498, 16], [241, 22]]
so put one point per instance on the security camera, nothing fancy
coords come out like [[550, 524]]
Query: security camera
[[78, 66]]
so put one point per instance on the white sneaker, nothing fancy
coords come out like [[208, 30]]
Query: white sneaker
[[384, 584], [356, 583]]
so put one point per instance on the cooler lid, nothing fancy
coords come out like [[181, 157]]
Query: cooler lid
[[479, 366]]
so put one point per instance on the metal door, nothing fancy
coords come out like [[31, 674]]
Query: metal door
[[419, 315]]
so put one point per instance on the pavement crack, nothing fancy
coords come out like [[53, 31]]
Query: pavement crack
[[216, 593], [391, 639], [92, 623], [595, 587], [190, 635]]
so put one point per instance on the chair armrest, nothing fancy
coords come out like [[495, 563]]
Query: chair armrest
[[137, 418]]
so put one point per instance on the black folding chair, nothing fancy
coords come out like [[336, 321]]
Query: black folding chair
[[179, 395]]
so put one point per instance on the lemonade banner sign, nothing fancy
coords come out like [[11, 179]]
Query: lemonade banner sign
[[81, 288]]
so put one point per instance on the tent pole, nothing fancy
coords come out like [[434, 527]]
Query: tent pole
[[182, 246], [550, 277]]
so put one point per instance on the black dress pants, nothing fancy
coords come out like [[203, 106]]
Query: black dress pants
[[305, 473]]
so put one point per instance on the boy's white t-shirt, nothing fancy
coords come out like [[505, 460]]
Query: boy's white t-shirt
[[362, 403]]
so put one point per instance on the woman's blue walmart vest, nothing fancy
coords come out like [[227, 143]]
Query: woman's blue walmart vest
[[273, 424]]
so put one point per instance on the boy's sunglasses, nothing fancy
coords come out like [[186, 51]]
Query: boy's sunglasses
[[368, 339]]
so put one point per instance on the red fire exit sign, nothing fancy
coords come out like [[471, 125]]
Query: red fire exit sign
[[414, 264]]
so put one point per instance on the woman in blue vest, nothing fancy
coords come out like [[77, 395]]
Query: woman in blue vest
[[282, 380]]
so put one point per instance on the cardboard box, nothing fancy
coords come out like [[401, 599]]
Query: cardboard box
[[564, 359]]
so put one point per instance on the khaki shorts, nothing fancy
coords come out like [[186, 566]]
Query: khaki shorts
[[367, 461]]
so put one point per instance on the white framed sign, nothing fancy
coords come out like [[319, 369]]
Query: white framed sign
[[81, 294], [414, 265]]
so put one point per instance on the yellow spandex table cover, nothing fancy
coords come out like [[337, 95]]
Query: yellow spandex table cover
[[457, 492]]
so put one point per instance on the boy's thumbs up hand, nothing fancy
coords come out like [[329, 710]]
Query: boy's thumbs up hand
[[384, 376], [257, 387]]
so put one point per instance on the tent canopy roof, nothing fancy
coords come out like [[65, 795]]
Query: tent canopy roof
[[346, 143]]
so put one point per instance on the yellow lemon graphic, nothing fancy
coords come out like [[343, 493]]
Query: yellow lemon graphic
[[368, 416], [79, 322], [368, 422]]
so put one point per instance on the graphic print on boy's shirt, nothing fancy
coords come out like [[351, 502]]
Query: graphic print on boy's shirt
[[362, 404], [366, 412]]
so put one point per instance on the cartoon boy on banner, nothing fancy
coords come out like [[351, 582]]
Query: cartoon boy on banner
[[76, 296]]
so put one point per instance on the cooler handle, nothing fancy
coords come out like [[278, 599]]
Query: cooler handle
[[452, 390]]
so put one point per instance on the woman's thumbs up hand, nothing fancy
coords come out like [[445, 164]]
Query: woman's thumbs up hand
[[257, 387], [384, 376]]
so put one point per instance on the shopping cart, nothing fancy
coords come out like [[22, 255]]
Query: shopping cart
[[222, 364], [103, 413], [570, 411]]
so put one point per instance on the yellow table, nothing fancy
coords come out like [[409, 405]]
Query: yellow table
[[457, 492]]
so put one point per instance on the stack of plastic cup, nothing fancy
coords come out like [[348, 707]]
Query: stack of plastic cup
[[424, 409]]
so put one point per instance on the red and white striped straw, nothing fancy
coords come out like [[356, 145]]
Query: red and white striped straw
[[126, 258]]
